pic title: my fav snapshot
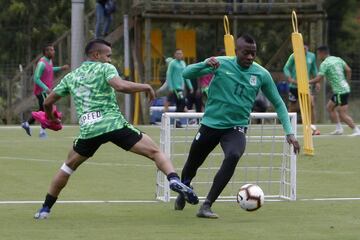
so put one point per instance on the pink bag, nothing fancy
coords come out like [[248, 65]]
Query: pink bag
[[41, 117]]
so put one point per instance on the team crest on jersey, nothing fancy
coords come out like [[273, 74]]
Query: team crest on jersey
[[253, 80]]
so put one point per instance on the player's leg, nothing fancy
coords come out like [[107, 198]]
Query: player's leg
[[233, 143], [331, 108], [26, 125], [293, 101], [41, 98], [180, 104], [99, 12], [82, 150], [204, 142], [315, 131], [131, 139], [344, 116], [59, 182]]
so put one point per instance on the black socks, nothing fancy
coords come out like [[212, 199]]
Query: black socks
[[49, 201]]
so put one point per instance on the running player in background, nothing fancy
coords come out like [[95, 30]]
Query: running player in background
[[232, 93], [337, 73], [44, 80], [290, 73], [92, 87], [175, 80]]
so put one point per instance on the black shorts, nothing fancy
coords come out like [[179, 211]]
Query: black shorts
[[125, 138], [293, 94], [340, 99], [41, 98]]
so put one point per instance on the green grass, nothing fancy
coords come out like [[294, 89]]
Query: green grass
[[28, 164]]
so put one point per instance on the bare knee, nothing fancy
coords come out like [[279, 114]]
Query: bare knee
[[153, 152]]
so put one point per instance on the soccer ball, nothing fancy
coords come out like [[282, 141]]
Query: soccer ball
[[250, 197]]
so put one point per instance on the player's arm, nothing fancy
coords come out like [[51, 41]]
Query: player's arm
[[61, 90], [347, 72], [40, 67], [124, 86], [289, 65], [200, 69], [169, 78], [61, 68], [50, 100], [317, 79], [189, 85], [270, 91]]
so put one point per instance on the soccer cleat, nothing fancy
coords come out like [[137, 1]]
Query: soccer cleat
[[205, 212], [26, 127], [43, 135], [179, 202], [43, 213], [184, 190], [357, 133], [337, 132], [316, 132]]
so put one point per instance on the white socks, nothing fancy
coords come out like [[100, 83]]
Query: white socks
[[339, 127]]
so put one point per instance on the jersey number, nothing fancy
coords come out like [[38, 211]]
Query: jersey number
[[238, 89]]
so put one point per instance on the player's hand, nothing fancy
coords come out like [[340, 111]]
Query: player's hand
[[213, 62], [290, 138], [150, 93], [317, 87], [65, 67], [291, 80]]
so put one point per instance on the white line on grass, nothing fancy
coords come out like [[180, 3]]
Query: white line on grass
[[155, 201], [87, 163]]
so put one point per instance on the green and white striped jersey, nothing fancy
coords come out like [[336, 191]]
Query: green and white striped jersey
[[333, 68], [95, 100]]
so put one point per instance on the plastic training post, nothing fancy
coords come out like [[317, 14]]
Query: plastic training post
[[303, 85], [228, 39]]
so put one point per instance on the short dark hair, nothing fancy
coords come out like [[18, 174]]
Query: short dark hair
[[91, 45], [248, 38], [323, 48], [46, 46]]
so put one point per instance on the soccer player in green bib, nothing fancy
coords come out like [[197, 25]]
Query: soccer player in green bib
[[337, 72], [290, 73], [232, 93], [93, 86]]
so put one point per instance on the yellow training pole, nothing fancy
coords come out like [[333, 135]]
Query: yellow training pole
[[303, 85], [228, 39]]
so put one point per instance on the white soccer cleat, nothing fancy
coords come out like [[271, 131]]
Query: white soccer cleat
[[337, 132], [357, 133], [43, 213]]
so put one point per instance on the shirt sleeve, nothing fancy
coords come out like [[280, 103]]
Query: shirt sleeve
[[322, 70], [197, 70], [270, 91], [110, 72], [56, 69], [37, 75], [62, 89], [169, 78], [189, 84], [289, 65], [313, 67]]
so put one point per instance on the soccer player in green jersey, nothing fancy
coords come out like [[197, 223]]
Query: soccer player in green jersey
[[232, 93], [337, 73], [93, 86], [290, 73], [43, 83], [175, 80]]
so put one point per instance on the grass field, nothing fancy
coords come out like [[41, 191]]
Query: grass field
[[324, 210]]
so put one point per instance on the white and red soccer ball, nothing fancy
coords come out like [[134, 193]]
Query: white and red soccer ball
[[250, 197]]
